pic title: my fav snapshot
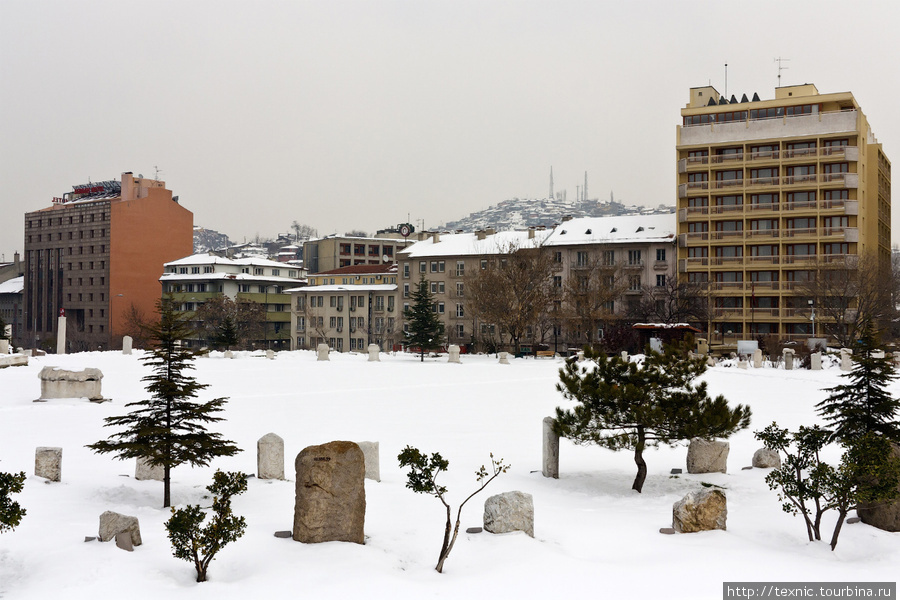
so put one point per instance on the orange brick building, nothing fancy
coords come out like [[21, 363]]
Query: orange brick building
[[95, 253]]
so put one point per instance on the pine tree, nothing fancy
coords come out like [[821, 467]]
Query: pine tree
[[169, 429], [11, 512], [864, 405], [426, 331], [227, 333], [624, 405]]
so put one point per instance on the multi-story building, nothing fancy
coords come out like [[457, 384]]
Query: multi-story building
[[334, 252], [769, 192], [347, 308], [193, 280], [95, 253], [11, 301], [635, 252]]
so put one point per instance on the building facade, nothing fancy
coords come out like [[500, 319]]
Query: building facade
[[11, 308], [770, 192], [334, 252], [95, 253], [193, 280], [348, 309]]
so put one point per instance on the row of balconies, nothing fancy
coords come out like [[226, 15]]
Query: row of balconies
[[580, 264], [776, 313], [834, 260], [353, 329], [840, 234], [844, 180], [848, 153], [850, 207]]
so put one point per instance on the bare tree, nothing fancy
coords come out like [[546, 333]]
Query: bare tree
[[589, 295], [513, 291], [303, 231], [136, 323], [675, 302], [248, 316]]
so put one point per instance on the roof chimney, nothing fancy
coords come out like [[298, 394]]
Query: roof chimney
[[566, 218], [531, 233], [436, 237]]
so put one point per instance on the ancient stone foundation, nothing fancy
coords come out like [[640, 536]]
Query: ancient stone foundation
[[59, 383]]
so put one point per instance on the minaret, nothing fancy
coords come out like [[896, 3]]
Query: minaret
[[584, 190], [551, 182]]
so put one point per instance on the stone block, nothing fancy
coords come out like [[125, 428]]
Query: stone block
[[453, 351], [127, 342], [330, 498], [550, 449], [229, 354], [765, 458], [113, 523], [374, 352], [59, 383], [742, 364], [373, 461], [815, 361], [123, 541], [270, 354], [4, 347], [144, 471], [757, 359], [788, 359], [322, 352], [703, 510], [846, 363], [504, 358], [510, 511], [707, 456], [48, 463], [270, 457]]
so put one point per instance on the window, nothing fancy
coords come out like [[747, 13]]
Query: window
[[301, 323], [460, 330], [557, 281], [660, 281], [483, 264], [301, 303], [801, 174], [422, 266], [332, 301], [460, 268], [460, 311], [437, 287], [276, 272], [359, 249], [634, 257], [332, 322], [379, 303], [634, 283], [460, 289], [406, 270], [345, 248], [661, 254], [609, 258], [581, 258], [257, 271], [406, 290]]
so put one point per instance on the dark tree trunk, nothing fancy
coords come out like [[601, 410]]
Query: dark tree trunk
[[639, 460], [842, 514], [167, 500], [445, 547]]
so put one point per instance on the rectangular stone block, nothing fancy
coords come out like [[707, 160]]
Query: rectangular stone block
[[48, 462], [550, 450], [373, 462], [330, 497]]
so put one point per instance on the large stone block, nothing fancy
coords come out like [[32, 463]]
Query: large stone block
[[270, 457], [59, 383], [884, 515], [453, 352], [765, 458], [330, 499], [127, 342], [510, 511], [143, 471], [113, 523], [550, 449], [704, 510], [707, 456], [373, 460], [374, 351], [48, 462], [322, 352]]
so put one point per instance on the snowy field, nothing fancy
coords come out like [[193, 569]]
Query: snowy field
[[594, 536]]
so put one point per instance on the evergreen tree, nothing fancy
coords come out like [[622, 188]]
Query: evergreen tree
[[10, 512], [197, 544], [169, 429], [623, 405], [425, 328], [227, 334], [864, 405]]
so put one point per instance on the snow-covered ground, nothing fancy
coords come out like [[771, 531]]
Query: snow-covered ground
[[593, 534]]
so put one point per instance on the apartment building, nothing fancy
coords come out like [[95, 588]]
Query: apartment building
[[334, 252], [770, 193], [348, 309], [195, 279], [11, 296], [96, 252]]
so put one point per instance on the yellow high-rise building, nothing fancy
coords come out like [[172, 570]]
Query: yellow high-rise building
[[770, 194]]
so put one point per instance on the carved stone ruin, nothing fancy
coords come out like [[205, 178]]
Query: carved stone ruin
[[374, 351], [815, 361], [788, 359], [504, 358], [373, 462], [48, 462], [550, 449], [4, 347], [707, 456], [453, 351], [330, 498], [126, 344], [510, 511], [764, 458], [229, 354], [59, 383], [113, 523], [742, 364], [145, 471], [757, 359], [624, 356], [846, 363], [322, 352], [702, 346], [270, 457], [703, 510], [270, 354]]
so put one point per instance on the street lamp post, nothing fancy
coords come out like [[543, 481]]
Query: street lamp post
[[812, 316]]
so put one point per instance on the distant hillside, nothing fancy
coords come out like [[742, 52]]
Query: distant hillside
[[208, 239], [521, 213]]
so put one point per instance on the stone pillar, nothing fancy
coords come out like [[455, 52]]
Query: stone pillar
[[126, 344], [757, 359], [330, 497], [550, 449], [61, 335], [48, 463], [4, 346], [707, 456], [373, 462], [454, 354], [788, 359], [270, 457], [229, 354], [374, 353], [143, 471], [624, 356], [846, 363], [815, 361], [504, 358], [322, 351], [702, 346], [270, 354]]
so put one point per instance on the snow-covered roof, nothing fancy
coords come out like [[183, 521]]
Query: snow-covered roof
[[241, 277], [13, 286], [377, 287], [614, 230], [258, 261], [468, 244], [200, 259]]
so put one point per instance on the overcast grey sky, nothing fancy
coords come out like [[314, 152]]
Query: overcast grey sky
[[353, 114]]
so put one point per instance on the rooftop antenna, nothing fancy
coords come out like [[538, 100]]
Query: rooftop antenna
[[726, 80], [781, 67], [156, 172]]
